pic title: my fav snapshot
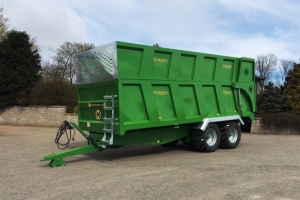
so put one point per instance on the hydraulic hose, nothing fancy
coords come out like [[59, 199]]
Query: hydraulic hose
[[67, 129]]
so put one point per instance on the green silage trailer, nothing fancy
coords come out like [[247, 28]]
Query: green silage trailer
[[136, 94]]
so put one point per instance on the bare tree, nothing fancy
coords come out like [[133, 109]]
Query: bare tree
[[3, 25], [34, 44], [50, 71], [65, 58], [283, 70], [265, 66]]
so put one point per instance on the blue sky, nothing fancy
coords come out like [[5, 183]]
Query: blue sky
[[228, 27]]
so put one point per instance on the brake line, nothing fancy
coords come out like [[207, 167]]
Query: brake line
[[63, 129]]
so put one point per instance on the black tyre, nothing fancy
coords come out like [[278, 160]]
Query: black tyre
[[230, 136], [170, 144], [183, 140], [207, 140]]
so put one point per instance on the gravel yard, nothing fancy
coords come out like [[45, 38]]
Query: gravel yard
[[262, 167]]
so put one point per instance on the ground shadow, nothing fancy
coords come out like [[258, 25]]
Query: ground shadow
[[112, 154]]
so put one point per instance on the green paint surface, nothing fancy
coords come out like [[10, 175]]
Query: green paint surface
[[160, 87]]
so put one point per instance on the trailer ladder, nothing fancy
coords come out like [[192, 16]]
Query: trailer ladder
[[109, 106]]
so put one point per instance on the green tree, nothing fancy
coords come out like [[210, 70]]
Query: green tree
[[19, 66], [272, 100], [65, 58], [293, 88], [54, 92], [3, 25]]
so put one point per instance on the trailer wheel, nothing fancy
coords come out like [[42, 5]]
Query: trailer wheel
[[230, 136], [183, 141], [170, 144], [207, 140]]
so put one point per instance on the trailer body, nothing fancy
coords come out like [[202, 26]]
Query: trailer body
[[137, 94], [159, 87]]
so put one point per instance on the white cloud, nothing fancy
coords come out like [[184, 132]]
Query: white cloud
[[236, 28], [50, 27], [274, 10]]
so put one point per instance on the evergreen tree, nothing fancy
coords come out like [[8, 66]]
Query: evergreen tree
[[272, 100], [293, 88], [54, 92], [19, 66]]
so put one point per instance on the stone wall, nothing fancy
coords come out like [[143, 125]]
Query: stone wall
[[35, 115], [54, 115], [257, 127]]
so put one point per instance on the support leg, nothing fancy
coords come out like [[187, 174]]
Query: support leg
[[57, 158]]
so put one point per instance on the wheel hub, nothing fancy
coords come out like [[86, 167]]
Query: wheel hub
[[232, 134], [211, 137]]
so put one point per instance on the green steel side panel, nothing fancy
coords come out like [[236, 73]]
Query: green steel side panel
[[186, 68], [159, 87], [130, 60], [134, 108], [224, 73], [90, 101], [246, 106], [210, 100], [164, 102], [246, 71], [206, 69], [161, 65], [228, 95], [153, 104], [149, 136], [177, 100], [198, 69], [146, 63], [189, 100], [170, 64]]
